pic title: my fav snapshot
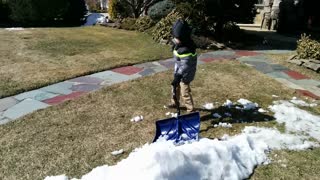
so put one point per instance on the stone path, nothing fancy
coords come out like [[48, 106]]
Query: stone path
[[17, 106]]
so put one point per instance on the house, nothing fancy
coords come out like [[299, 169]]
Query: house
[[290, 15]]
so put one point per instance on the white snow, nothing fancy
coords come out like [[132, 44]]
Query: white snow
[[224, 125], [300, 102], [260, 110], [228, 104], [208, 106], [275, 96], [172, 114], [228, 114], [247, 105], [115, 153], [61, 177], [95, 18], [137, 119], [295, 119], [232, 158], [15, 29]]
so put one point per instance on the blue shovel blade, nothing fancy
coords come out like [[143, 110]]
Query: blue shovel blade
[[183, 128]]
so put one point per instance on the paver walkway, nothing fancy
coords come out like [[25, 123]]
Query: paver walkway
[[17, 106]]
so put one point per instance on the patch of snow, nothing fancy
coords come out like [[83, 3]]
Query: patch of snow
[[313, 105], [174, 115], [95, 18], [262, 110], [208, 106], [296, 119], [300, 102], [275, 96], [15, 29], [248, 105], [232, 158], [115, 153], [216, 115], [137, 119], [228, 104], [224, 125], [228, 114]]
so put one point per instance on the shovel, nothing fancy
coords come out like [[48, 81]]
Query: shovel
[[180, 128]]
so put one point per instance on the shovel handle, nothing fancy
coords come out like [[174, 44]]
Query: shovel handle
[[175, 98]]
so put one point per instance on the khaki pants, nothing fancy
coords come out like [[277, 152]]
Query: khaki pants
[[185, 91]]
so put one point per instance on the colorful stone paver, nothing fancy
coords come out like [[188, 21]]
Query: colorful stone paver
[[19, 105]]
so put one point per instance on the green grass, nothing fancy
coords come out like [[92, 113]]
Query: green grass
[[34, 58], [77, 136]]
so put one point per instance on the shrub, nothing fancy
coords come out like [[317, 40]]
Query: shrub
[[308, 48], [162, 30], [4, 12], [144, 23], [161, 9], [128, 24]]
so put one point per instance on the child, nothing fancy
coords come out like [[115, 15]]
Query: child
[[184, 52]]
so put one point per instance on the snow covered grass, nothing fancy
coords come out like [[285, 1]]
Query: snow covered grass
[[33, 58], [75, 137], [230, 158]]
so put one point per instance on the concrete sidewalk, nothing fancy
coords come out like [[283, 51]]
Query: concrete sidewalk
[[14, 107]]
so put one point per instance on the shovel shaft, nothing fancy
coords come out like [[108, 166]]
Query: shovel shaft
[[175, 98]]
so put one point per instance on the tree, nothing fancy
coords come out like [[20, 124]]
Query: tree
[[139, 6], [4, 12], [47, 12]]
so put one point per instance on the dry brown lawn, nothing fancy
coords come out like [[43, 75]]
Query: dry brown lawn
[[33, 58], [79, 135]]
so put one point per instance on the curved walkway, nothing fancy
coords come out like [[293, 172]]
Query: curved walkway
[[14, 107]]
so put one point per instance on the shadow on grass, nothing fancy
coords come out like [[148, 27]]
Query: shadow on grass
[[233, 115]]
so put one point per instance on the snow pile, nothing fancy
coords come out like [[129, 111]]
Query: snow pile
[[224, 125], [208, 106], [228, 104], [95, 18], [248, 105], [15, 29], [137, 119], [295, 119], [232, 158], [172, 114]]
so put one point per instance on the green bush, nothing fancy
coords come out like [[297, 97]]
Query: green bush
[[162, 30], [144, 23], [161, 9], [128, 24], [308, 48]]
